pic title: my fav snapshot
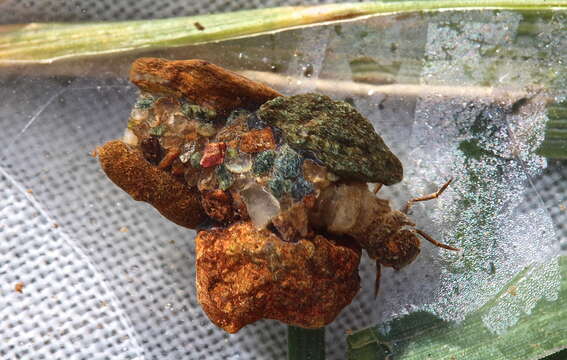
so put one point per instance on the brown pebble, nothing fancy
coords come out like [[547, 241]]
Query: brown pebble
[[201, 83], [127, 168], [218, 205], [19, 287], [257, 140], [244, 275]]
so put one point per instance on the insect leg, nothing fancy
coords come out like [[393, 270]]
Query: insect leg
[[377, 281], [435, 242], [432, 196]]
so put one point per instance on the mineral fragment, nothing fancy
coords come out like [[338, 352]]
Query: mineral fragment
[[130, 138], [337, 134], [263, 162], [224, 177], [261, 205], [218, 205], [168, 159], [237, 162], [213, 154], [257, 140], [244, 275], [293, 223], [287, 163], [301, 188], [279, 186], [152, 150], [254, 122], [316, 174], [188, 149]]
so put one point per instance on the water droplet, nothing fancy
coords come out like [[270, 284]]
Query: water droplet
[[307, 70]]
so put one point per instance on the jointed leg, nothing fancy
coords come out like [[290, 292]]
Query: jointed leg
[[435, 242], [377, 281], [435, 195]]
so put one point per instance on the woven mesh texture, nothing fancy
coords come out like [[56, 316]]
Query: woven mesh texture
[[106, 277], [16, 11]]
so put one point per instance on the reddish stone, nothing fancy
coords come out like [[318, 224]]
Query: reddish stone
[[213, 154]]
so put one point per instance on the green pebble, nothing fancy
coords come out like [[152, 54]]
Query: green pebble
[[279, 187], [288, 163], [301, 188], [158, 130], [224, 177], [231, 153], [144, 103], [196, 159], [197, 112], [263, 162]]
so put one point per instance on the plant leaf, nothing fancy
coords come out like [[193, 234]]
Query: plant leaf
[[422, 335], [554, 144], [47, 42]]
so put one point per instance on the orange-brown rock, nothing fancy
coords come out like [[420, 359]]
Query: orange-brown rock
[[128, 169], [223, 206], [244, 275], [201, 82], [257, 140]]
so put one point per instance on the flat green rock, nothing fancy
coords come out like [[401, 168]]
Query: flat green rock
[[337, 134]]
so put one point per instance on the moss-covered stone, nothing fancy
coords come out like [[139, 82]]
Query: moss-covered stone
[[337, 134]]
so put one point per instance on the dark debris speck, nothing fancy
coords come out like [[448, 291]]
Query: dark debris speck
[[255, 123]]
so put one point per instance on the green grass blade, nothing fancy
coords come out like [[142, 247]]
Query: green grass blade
[[554, 144], [423, 336], [47, 42], [305, 344]]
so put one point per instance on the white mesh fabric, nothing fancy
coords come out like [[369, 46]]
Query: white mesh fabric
[[16, 11]]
